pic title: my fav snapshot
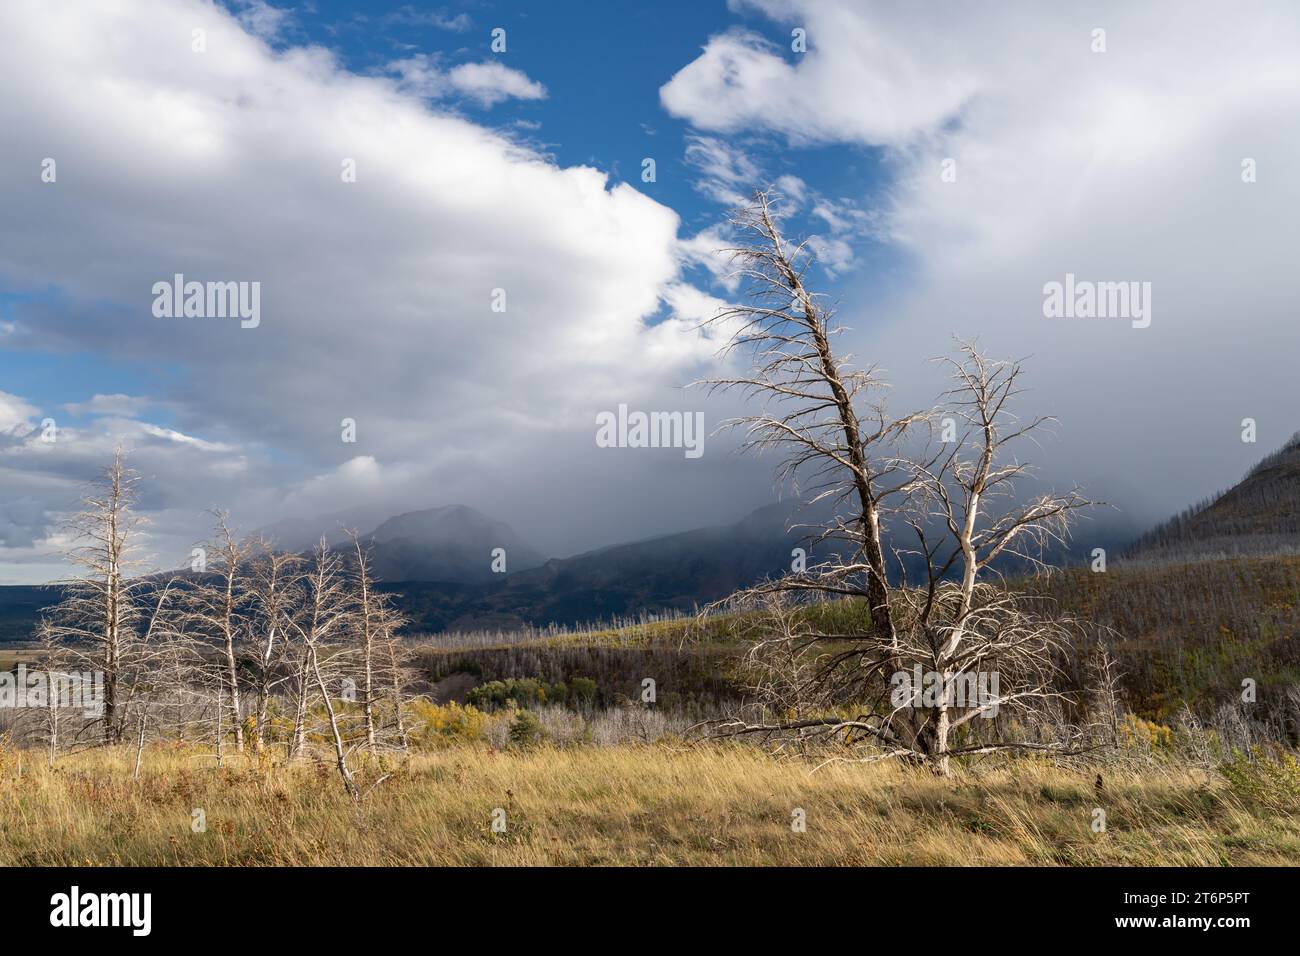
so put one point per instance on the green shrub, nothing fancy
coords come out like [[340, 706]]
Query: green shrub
[[1267, 780], [521, 692], [525, 729]]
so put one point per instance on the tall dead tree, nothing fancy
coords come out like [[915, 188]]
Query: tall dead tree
[[99, 611], [871, 470], [825, 415]]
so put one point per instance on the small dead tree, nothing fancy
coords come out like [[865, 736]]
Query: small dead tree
[[276, 594], [51, 655], [326, 615], [398, 672], [781, 662], [381, 668], [369, 621], [220, 601]]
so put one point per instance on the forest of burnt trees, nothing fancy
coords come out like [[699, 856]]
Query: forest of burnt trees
[[254, 649]]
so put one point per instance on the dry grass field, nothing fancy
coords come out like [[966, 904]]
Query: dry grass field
[[627, 805]]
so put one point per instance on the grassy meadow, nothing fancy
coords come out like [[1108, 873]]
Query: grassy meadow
[[644, 805]]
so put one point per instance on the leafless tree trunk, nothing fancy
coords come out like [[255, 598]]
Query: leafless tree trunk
[[222, 607], [395, 691], [276, 585], [326, 615], [99, 610], [340, 751], [377, 626], [51, 658], [824, 414], [367, 622], [139, 744]]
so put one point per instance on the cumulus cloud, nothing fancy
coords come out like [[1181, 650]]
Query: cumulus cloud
[[484, 83], [853, 83], [491, 83], [376, 294], [15, 413]]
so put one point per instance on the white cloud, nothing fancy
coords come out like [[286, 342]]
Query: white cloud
[[854, 83], [15, 413], [170, 434], [491, 83], [1122, 165], [375, 294], [485, 83], [410, 16], [728, 175], [263, 20]]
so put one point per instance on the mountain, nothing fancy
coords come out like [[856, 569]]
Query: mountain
[[448, 544], [1258, 515], [439, 562], [302, 534], [679, 571], [21, 606], [453, 543]]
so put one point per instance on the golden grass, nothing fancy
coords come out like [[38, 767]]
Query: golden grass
[[634, 805]]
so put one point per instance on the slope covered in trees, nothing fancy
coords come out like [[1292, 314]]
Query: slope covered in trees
[[1258, 515]]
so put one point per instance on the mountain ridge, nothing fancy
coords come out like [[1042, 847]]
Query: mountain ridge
[[1258, 515]]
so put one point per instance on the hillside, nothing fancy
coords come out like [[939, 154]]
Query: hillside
[[1258, 515]]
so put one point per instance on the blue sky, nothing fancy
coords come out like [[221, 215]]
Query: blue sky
[[521, 171], [602, 70]]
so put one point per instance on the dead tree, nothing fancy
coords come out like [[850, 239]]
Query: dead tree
[[396, 658], [99, 611], [378, 647], [276, 594], [929, 639], [51, 656], [967, 515], [826, 416], [369, 609], [220, 602], [325, 617]]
